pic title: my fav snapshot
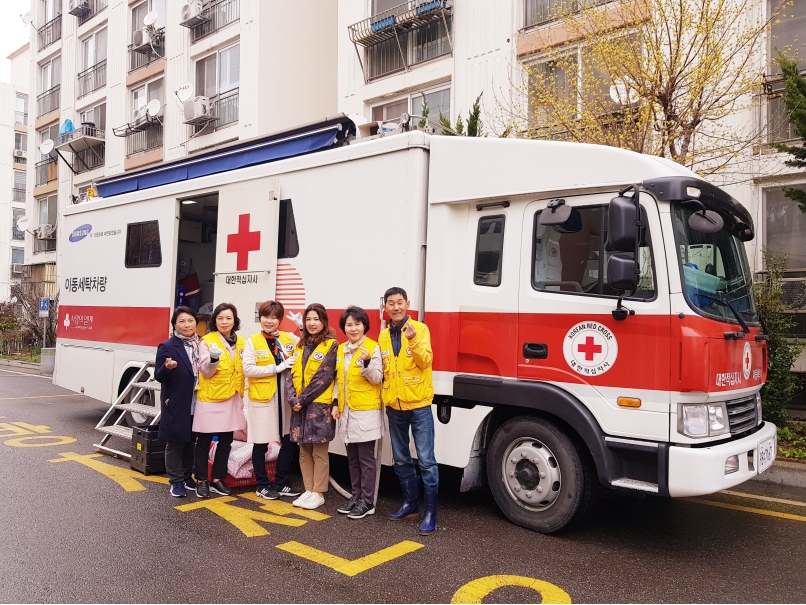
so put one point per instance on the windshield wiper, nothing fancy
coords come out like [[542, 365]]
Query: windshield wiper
[[745, 328]]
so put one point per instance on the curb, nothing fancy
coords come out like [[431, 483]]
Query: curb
[[784, 472], [29, 365]]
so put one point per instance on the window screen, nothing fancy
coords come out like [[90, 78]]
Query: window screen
[[489, 251], [143, 245], [287, 242]]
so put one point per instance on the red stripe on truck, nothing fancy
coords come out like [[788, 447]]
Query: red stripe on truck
[[145, 326]]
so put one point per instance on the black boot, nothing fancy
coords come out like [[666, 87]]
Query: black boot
[[429, 523], [411, 499]]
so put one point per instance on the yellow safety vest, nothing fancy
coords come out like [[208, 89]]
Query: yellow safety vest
[[303, 376], [405, 385], [357, 390], [264, 388], [229, 377]]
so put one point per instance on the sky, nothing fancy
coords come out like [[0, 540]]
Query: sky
[[13, 32]]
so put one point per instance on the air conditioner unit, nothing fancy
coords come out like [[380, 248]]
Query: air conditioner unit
[[197, 109], [16, 269], [137, 114], [141, 40], [45, 231], [78, 7], [192, 10], [19, 153]]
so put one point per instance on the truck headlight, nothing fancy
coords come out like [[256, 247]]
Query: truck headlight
[[699, 420]]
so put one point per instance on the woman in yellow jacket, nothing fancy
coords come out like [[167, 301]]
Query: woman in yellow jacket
[[310, 395], [219, 398], [359, 372]]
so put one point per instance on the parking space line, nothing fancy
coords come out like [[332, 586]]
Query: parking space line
[[127, 478], [747, 509], [40, 397], [765, 498], [242, 518], [345, 566], [26, 374]]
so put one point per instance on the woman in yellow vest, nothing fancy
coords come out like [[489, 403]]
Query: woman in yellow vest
[[267, 357], [359, 372], [219, 399], [310, 395]]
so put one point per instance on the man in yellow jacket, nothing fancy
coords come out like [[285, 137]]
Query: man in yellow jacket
[[407, 394]]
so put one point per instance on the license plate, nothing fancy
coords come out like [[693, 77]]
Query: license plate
[[766, 454]]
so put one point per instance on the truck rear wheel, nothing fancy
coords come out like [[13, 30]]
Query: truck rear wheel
[[538, 478], [134, 419]]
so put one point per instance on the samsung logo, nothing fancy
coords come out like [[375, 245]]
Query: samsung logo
[[80, 233]]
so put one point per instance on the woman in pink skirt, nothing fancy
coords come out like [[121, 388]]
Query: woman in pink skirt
[[219, 399]]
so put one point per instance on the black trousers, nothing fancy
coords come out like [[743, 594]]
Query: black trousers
[[203, 441], [259, 462], [179, 461], [288, 452]]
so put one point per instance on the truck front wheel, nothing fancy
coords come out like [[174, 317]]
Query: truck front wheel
[[538, 478]]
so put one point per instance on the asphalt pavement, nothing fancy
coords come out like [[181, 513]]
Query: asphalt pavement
[[82, 528]]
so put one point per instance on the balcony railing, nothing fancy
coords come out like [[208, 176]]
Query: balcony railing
[[538, 12], [144, 140], [50, 32], [224, 108], [217, 15], [141, 59], [20, 117], [17, 195], [89, 159], [416, 46], [92, 79], [89, 10], [46, 171], [48, 101], [20, 160], [45, 245]]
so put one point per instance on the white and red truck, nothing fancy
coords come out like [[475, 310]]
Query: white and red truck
[[577, 341]]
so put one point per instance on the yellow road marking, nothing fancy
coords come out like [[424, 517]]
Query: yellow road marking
[[40, 397], [278, 507], [475, 591], [26, 441], [127, 478], [345, 566], [242, 518], [765, 498], [18, 429], [747, 509]]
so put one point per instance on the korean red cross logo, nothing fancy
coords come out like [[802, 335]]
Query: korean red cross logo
[[243, 242], [590, 348]]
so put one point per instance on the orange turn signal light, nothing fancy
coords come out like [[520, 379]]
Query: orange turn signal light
[[629, 402]]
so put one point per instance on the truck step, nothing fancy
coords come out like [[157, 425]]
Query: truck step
[[139, 408], [151, 385], [116, 430], [641, 486]]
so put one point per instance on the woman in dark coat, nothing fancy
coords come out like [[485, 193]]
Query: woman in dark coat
[[177, 370]]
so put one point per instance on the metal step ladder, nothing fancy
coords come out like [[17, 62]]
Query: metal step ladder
[[111, 424]]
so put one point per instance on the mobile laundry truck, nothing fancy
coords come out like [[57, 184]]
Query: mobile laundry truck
[[575, 339]]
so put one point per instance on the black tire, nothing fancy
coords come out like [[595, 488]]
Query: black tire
[[535, 457], [148, 398]]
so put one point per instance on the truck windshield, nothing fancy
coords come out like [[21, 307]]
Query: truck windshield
[[716, 275]]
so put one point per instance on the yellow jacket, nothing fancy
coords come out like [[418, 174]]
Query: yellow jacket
[[264, 388], [302, 376], [229, 377], [360, 392], [407, 383]]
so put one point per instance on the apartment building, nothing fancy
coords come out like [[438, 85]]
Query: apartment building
[[13, 169], [111, 81]]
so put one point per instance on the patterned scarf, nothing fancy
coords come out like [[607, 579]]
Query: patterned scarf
[[195, 358], [352, 348]]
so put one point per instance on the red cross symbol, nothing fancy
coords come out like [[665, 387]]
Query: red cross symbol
[[747, 360], [589, 348], [243, 242]]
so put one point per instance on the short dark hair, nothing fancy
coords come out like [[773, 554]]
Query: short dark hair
[[183, 309], [271, 307], [358, 314], [392, 291], [223, 307]]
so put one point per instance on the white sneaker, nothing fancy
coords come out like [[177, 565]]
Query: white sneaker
[[299, 501], [314, 501]]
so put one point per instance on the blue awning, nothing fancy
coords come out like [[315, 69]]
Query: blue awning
[[221, 161]]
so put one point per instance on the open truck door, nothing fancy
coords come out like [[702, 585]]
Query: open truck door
[[246, 247]]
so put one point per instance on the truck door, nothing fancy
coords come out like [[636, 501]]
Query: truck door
[[567, 333], [246, 247]]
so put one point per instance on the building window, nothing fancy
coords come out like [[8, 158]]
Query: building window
[[537, 12], [220, 13], [439, 103], [17, 256], [93, 157], [786, 35], [94, 55], [50, 12], [18, 193], [46, 211], [21, 110], [16, 214], [287, 241], [148, 134], [143, 245], [784, 229], [50, 74], [218, 78], [489, 251], [138, 59]]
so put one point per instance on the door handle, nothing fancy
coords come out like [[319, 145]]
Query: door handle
[[535, 350]]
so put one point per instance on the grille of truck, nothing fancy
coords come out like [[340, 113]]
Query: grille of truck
[[742, 415]]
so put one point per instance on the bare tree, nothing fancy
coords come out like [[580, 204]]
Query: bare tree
[[28, 294]]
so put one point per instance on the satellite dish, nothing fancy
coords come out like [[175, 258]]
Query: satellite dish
[[153, 107], [150, 18], [27, 17], [46, 147], [184, 91], [13, 300], [23, 223], [620, 93]]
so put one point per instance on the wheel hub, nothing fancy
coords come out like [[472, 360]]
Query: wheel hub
[[531, 474]]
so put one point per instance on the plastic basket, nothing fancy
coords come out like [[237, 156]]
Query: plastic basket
[[231, 482]]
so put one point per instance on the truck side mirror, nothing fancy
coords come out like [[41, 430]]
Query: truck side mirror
[[622, 232], [622, 273]]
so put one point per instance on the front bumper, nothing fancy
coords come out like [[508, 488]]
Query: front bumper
[[700, 471]]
